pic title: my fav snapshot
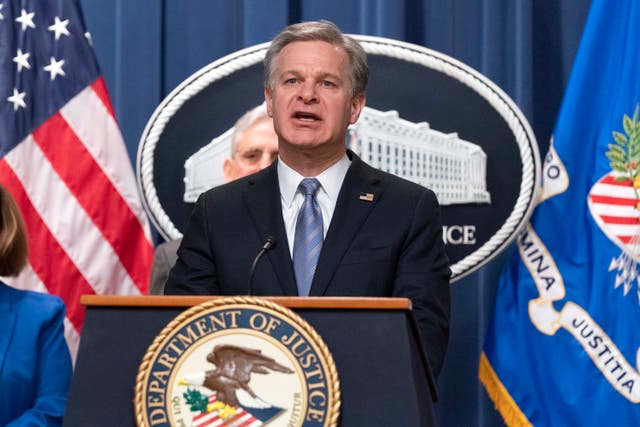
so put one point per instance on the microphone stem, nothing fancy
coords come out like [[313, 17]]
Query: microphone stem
[[267, 245]]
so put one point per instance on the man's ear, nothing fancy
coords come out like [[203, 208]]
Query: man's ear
[[268, 100], [357, 104], [226, 170]]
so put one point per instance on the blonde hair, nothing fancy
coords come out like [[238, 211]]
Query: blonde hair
[[13, 236]]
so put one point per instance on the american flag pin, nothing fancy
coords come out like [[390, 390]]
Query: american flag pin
[[367, 197]]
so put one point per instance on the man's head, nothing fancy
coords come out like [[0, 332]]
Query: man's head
[[315, 83], [254, 144], [320, 31]]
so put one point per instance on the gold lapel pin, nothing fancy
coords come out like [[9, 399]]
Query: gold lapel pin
[[367, 197]]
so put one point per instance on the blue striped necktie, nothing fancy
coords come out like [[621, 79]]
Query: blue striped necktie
[[308, 237]]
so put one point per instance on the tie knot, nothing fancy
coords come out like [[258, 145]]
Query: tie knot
[[309, 186]]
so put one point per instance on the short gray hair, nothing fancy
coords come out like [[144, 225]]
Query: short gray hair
[[320, 31], [246, 121]]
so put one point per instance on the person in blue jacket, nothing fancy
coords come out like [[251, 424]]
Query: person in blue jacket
[[35, 365]]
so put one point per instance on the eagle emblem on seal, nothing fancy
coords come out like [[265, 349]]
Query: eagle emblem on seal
[[229, 381]]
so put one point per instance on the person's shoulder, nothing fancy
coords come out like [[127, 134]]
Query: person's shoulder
[[234, 188], [32, 301], [169, 245]]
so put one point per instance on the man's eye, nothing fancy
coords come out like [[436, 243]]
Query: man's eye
[[251, 157], [291, 81], [327, 83]]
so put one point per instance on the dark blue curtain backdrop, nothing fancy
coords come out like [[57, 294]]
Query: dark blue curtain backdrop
[[147, 47]]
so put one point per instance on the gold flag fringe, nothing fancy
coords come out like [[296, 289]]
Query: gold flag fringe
[[501, 398]]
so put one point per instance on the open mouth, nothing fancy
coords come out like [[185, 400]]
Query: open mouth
[[301, 115]]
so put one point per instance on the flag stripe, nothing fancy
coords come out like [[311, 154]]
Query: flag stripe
[[96, 194], [201, 415], [623, 230], [72, 337], [88, 116], [624, 239], [624, 191], [610, 179], [47, 258], [612, 200], [609, 219], [67, 220], [246, 420], [614, 210], [238, 418], [100, 89], [206, 419]]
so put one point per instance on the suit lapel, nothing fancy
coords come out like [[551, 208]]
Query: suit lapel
[[262, 197], [7, 320], [350, 213]]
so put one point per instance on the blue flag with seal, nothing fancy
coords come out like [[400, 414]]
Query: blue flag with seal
[[562, 347]]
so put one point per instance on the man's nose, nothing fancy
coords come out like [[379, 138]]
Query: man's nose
[[266, 159], [308, 92]]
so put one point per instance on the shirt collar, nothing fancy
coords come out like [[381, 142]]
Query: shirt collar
[[330, 179]]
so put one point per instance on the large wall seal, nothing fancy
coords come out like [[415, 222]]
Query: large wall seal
[[430, 119]]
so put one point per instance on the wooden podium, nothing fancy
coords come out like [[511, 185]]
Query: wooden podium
[[384, 375]]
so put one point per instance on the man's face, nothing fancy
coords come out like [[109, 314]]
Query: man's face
[[310, 97], [257, 148]]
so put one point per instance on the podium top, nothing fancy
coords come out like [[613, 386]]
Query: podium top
[[290, 302]]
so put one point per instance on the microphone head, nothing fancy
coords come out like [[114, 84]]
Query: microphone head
[[269, 243]]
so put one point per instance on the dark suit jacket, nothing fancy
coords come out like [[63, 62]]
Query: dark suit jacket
[[389, 247]]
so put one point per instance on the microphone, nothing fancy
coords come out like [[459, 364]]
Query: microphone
[[269, 243]]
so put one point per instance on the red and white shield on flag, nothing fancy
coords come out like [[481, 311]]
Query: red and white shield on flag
[[614, 204]]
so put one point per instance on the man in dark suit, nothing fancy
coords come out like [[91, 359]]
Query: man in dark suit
[[254, 146], [341, 228]]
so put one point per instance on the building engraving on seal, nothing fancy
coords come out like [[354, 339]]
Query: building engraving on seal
[[453, 168]]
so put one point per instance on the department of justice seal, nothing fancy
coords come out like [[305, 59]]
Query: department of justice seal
[[237, 361]]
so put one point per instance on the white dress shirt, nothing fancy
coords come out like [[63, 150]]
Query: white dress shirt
[[291, 197]]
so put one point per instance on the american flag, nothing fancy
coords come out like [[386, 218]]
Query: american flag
[[239, 418], [64, 161]]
